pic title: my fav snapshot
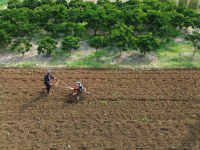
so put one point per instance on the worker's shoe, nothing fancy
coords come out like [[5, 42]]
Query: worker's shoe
[[48, 92]]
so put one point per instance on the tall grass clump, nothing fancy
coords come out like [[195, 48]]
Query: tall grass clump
[[174, 1], [182, 2], [3, 2], [83, 63], [27, 64], [177, 54], [193, 4]]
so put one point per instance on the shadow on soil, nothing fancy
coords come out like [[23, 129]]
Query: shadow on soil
[[70, 99], [190, 142], [25, 106]]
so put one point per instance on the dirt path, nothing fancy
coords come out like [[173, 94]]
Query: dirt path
[[127, 110]]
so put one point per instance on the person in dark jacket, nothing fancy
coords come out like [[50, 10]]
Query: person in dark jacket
[[47, 82]]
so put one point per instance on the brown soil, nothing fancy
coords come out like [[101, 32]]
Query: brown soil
[[149, 110]]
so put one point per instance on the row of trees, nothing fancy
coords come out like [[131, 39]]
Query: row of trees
[[132, 24]]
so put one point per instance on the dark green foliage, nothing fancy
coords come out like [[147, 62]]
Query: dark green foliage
[[12, 1], [14, 4], [122, 36], [195, 39], [73, 3], [102, 2], [79, 29], [63, 2], [98, 42], [69, 43], [47, 2], [147, 42], [95, 17], [76, 15], [21, 45], [47, 44], [5, 38], [31, 4]]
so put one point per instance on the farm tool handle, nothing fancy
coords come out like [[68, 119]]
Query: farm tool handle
[[57, 81], [67, 86], [63, 87]]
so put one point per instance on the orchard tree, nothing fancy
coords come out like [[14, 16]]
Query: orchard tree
[[42, 15], [95, 17], [113, 15], [135, 17], [98, 42], [21, 45], [51, 27], [102, 2], [14, 4], [147, 42], [122, 37], [31, 4], [25, 28], [73, 3], [155, 20], [177, 20], [195, 39], [79, 29], [69, 43], [76, 15], [8, 27], [63, 2], [66, 28], [47, 2], [47, 44], [59, 14], [5, 38]]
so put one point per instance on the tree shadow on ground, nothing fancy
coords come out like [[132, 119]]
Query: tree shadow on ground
[[30, 104], [192, 140]]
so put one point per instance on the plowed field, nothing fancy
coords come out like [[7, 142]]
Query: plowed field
[[127, 110]]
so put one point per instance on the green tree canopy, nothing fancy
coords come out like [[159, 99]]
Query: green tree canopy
[[47, 2], [14, 4], [122, 36], [47, 44], [69, 43], [31, 4], [21, 45], [147, 42], [5, 38], [195, 39], [63, 2], [98, 42], [95, 17]]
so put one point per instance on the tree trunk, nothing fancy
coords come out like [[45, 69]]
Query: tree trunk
[[176, 2], [198, 4], [144, 52], [95, 31], [188, 1], [195, 50]]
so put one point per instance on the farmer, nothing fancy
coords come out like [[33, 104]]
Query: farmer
[[47, 82], [75, 89]]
